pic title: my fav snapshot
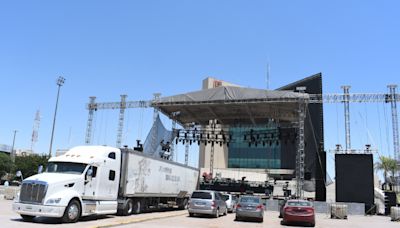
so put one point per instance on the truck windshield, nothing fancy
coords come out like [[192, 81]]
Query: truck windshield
[[65, 167]]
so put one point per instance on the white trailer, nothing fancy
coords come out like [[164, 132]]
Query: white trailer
[[90, 180], [148, 182]]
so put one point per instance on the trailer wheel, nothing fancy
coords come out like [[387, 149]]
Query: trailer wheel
[[128, 207], [137, 207], [184, 205], [72, 212]]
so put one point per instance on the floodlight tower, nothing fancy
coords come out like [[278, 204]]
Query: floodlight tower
[[60, 82]]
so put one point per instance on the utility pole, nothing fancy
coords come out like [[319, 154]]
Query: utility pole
[[60, 82], [12, 147]]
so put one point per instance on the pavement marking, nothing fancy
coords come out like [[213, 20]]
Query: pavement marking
[[138, 220]]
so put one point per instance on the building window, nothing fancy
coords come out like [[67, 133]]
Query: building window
[[111, 175]]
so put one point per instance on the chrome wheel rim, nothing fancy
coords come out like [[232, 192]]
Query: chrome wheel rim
[[73, 212], [130, 207]]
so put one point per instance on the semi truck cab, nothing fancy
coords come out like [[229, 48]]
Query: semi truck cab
[[82, 182]]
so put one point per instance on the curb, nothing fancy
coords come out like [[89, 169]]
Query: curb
[[138, 220]]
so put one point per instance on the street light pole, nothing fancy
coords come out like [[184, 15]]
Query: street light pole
[[12, 147], [60, 82]]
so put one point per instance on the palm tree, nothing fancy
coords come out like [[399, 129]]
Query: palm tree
[[387, 164], [393, 167]]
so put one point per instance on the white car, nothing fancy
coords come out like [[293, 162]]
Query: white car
[[231, 201]]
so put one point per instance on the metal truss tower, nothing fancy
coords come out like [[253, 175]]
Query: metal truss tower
[[212, 125], [346, 100], [156, 99], [35, 131], [300, 154], [187, 145], [392, 98], [92, 108], [121, 119]]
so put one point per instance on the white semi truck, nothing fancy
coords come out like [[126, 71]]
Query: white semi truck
[[94, 180]]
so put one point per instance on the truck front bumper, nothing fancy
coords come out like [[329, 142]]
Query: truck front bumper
[[39, 210]]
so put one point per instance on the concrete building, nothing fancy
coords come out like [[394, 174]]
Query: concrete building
[[220, 152]]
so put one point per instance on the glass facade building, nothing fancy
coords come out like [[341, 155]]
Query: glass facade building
[[243, 153]]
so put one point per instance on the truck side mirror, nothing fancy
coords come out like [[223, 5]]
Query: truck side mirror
[[40, 169], [89, 174]]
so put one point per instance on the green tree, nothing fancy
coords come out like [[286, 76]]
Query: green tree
[[387, 165], [28, 165], [5, 164]]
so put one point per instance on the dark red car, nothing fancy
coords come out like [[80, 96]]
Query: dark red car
[[298, 211]]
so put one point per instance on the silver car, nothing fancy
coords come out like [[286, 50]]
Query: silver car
[[231, 201], [207, 202], [250, 207]]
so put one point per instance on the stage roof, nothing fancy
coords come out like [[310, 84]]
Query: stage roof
[[232, 105]]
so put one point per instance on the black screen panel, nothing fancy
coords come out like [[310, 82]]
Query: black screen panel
[[354, 178]]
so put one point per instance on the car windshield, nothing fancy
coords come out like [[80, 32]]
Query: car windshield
[[65, 167], [299, 203], [225, 197], [249, 200], [201, 195]]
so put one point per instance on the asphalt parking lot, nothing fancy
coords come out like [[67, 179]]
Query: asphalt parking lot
[[178, 218]]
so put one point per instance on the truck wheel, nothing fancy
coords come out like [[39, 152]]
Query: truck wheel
[[128, 207], [27, 218], [137, 207], [72, 212]]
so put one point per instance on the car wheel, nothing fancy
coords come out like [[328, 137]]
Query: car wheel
[[72, 212], [312, 224], [27, 218], [216, 213], [237, 218], [261, 220], [191, 214], [226, 211], [283, 223]]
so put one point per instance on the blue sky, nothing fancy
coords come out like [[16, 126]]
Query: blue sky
[[107, 48]]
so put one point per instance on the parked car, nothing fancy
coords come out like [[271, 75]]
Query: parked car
[[250, 207], [208, 203], [281, 204], [298, 211], [231, 201]]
